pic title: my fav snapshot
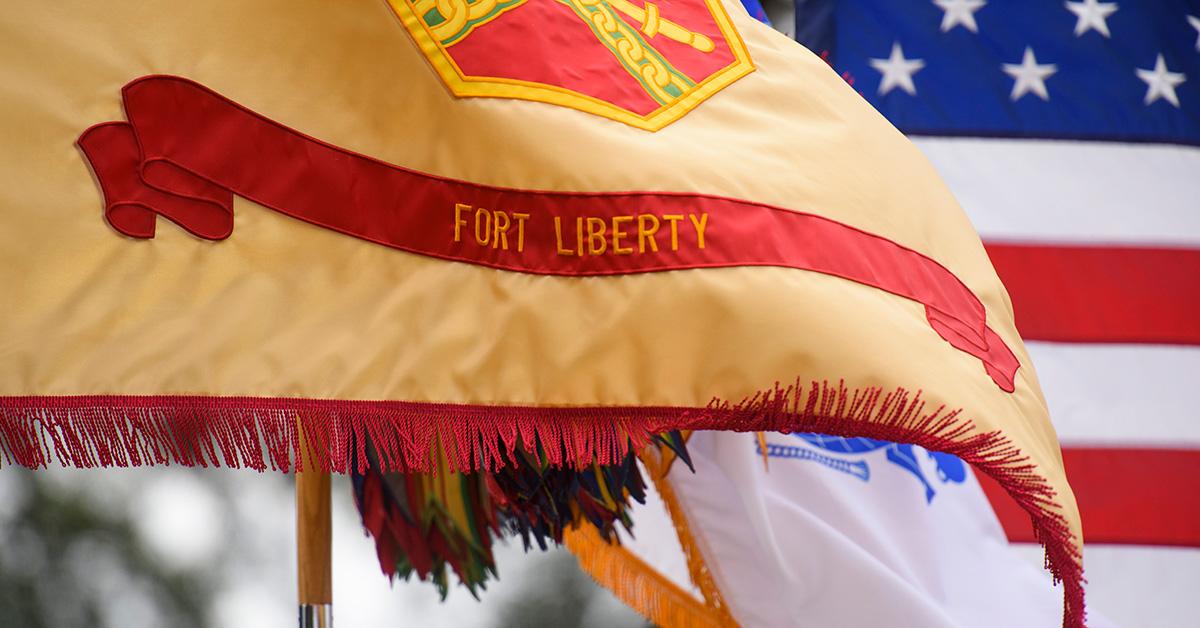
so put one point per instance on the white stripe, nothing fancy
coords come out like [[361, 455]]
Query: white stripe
[[1121, 395], [1137, 587], [1073, 192]]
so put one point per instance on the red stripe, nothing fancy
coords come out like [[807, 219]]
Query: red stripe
[[1102, 293], [1126, 496]]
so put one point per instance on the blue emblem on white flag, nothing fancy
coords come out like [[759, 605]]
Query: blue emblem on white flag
[[950, 469]]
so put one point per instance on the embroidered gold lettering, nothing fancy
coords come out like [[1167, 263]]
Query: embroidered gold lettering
[[617, 234], [597, 243], [558, 236], [674, 220], [622, 234], [647, 227], [500, 230], [484, 235], [579, 236], [700, 225], [520, 218], [459, 221]]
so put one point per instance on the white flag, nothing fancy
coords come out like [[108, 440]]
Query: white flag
[[832, 532]]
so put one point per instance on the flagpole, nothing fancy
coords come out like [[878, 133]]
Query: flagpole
[[313, 540]]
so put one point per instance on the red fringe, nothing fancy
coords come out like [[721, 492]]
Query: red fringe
[[901, 417], [109, 430]]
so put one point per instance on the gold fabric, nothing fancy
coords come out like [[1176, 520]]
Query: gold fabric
[[286, 309]]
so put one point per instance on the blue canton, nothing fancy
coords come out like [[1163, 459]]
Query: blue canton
[[1087, 69]]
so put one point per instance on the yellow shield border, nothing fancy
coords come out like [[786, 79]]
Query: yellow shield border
[[462, 85]]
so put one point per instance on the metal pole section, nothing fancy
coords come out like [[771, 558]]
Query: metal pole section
[[313, 540]]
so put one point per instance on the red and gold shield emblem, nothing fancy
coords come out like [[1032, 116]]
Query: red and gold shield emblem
[[642, 63]]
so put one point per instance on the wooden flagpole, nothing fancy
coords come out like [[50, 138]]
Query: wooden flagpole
[[313, 540]]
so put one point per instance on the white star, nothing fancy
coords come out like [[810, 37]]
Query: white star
[[957, 12], [1091, 14], [897, 71], [1161, 82], [1029, 76], [1195, 22]]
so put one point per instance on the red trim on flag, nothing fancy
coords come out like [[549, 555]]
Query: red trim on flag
[[1126, 496], [186, 151], [1102, 293], [114, 430]]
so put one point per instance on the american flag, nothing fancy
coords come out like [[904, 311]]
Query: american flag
[[1070, 133]]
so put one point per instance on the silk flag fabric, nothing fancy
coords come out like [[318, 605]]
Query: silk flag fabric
[[555, 226]]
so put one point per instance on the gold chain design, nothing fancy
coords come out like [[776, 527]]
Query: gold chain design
[[459, 17], [663, 83]]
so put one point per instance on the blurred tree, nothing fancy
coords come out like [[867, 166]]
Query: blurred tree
[[65, 562], [118, 548]]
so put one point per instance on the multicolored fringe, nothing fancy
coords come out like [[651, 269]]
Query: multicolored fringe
[[424, 522], [115, 430]]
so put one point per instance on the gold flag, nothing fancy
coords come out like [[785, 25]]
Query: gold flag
[[565, 224]]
